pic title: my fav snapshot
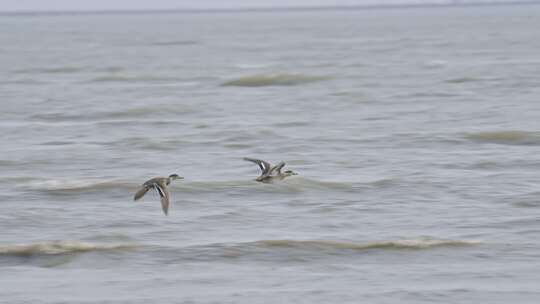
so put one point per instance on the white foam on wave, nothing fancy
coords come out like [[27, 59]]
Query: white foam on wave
[[391, 244], [78, 184], [60, 247]]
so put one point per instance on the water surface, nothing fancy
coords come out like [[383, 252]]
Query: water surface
[[415, 133]]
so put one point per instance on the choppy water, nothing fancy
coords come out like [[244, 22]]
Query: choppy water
[[415, 133]]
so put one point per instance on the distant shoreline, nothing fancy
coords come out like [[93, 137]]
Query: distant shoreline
[[262, 9]]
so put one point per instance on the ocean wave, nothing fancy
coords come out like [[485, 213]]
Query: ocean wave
[[134, 112], [56, 116], [261, 80], [511, 137], [495, 164], [294, 184], [529, 200], [212, 186], [265, 249], [60, 247], [78, 185], [26, 81], [292, 124], [52, 70], [290, 185], [344, 245], [384, 182], [145, 111], [69, 186], [463, 80], [8, 163], [135, 78], [57, 143], [527, 203], [301, 250], [287, 250], [467, 79]]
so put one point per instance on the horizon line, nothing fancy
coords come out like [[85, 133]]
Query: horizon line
[[263, 9]]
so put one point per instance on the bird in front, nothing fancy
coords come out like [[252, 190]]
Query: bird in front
[[160, 185]]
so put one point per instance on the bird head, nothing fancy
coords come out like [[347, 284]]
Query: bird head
[[175, 176], [289, 173]]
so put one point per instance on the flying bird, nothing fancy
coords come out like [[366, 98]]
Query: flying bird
[[160, 185], [270, 173]]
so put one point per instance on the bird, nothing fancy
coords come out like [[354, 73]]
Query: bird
[[160, 185], [270, 173]]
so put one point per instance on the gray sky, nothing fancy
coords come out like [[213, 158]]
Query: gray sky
[[56, 5]]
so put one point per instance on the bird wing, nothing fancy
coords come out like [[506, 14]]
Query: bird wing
[[278, 168], [141, 192], [265, 166], [164, 195]]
